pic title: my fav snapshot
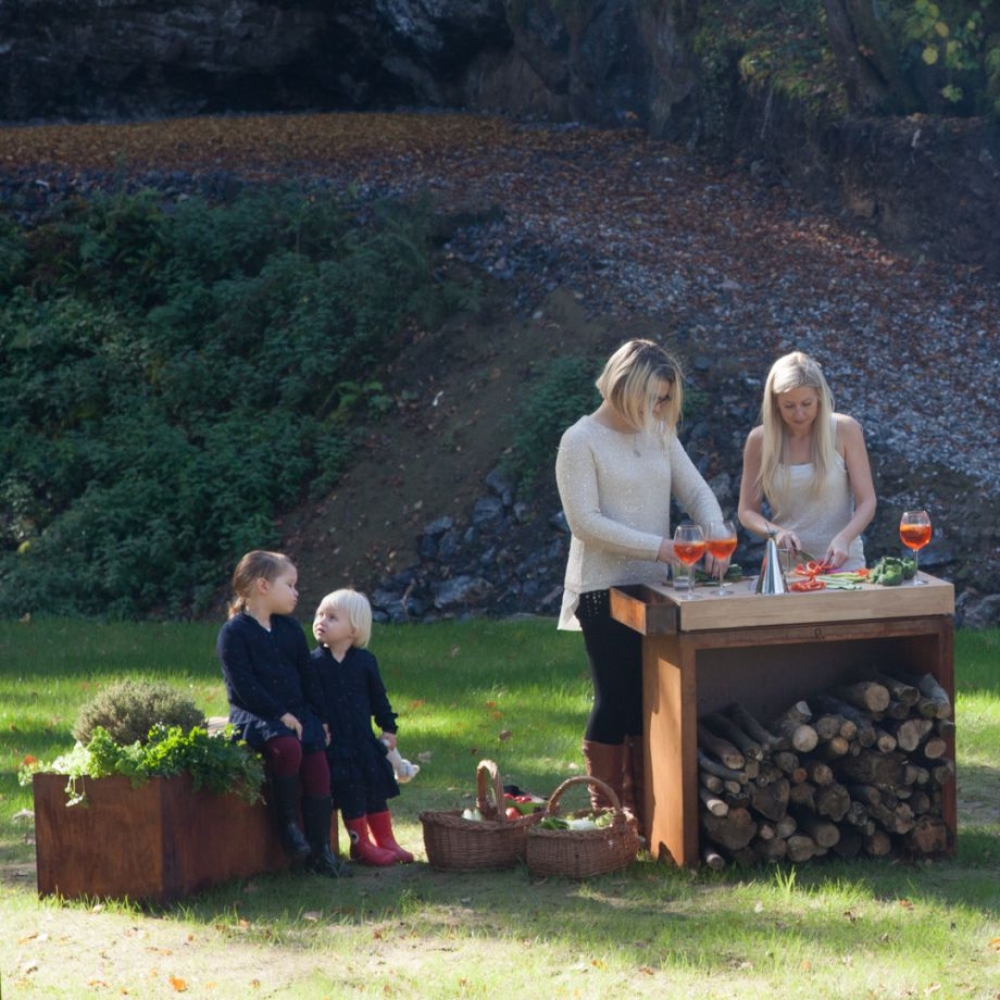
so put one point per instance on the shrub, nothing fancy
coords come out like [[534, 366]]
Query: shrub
[[558, 394], [216, 763], [128, 710], [175, 376]]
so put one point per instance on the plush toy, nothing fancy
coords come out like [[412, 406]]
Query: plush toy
[[405, 771]]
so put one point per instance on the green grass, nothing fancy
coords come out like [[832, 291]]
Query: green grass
[[516, 692]]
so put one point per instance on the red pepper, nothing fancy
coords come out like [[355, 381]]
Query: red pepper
[[813, 568], [803, 586]]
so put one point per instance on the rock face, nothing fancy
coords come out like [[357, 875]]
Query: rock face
[[123, 58], [603, 61]]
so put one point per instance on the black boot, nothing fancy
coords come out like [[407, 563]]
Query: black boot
[[286, 794], [316, 815]]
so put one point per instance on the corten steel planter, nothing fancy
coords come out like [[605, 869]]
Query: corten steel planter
[[159, 841]]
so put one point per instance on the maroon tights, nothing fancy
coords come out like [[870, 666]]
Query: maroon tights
[[285, 758]]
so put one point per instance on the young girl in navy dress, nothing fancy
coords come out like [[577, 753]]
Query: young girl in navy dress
[[275, 703], [362, 778]]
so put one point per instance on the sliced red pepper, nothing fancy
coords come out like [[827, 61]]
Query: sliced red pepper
[[802, 586], [813, 568]]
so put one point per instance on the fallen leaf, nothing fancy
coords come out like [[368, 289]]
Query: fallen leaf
[[178, 984]]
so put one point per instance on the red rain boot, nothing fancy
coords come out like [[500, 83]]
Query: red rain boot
[[362, 849], [380, 825]]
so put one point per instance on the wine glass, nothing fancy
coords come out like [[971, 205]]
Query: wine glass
[[721, 544], [915, 533], [689, 547]]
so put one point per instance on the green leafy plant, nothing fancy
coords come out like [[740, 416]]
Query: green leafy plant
[[558, 393], [215, 763], [764, 47], [176, 374], [954, 43], [128, 710]]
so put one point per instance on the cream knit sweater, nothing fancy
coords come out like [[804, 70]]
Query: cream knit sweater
[[615, 490]]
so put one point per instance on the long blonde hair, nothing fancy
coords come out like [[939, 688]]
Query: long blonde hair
[[252, 567], [628, 384], [795, 371]]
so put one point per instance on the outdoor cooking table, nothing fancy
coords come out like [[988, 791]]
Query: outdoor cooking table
[[766, 652]]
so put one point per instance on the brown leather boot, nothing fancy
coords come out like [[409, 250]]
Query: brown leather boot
[[605, 762], [634, 781]]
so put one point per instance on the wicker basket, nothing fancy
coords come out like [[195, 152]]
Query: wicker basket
[[582, 853], [455, 844]]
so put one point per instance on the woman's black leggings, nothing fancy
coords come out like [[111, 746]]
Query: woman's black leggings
[[615, 654]]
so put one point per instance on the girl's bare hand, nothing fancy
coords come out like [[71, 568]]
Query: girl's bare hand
[[289, 720]]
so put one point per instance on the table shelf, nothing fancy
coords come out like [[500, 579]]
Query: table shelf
[[766, 652]]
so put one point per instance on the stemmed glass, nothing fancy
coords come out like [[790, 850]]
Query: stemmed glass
[[721, 544], [915, 533], [689, 547]]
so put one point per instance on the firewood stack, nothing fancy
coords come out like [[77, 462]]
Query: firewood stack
[[856, 770]]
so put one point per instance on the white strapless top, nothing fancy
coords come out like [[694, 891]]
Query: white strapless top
[[816, 518]]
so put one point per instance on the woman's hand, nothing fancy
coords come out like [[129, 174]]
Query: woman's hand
[[716, 567], [389, 739], [289, 720], [837, 551], [666, 553], [786, 539], [326, 734]]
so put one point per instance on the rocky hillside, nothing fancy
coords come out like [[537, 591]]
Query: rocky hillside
[[581, 238], [700, 73]]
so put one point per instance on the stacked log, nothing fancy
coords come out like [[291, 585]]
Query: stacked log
[[855, 770]]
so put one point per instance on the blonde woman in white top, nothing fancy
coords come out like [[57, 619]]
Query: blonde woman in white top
[[616, 470], [811, 467]]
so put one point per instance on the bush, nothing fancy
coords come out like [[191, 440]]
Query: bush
[[557, 395], [128, 710], [176, 376], [219, 764]]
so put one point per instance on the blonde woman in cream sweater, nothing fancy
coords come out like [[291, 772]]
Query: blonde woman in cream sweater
[[617, 469]]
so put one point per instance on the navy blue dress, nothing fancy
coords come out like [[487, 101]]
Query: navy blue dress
[[268, 674], [353, 695]]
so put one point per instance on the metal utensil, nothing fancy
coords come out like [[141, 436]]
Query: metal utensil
[[771, 579]]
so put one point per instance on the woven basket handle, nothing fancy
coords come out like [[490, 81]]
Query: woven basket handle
[[487, 786], [552, 810]]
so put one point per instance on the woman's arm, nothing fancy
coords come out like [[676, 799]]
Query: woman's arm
[[750, 509], [696, 497], [851, 438], [576, 478]]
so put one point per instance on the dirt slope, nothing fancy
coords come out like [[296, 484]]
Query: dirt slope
[[430, 458]]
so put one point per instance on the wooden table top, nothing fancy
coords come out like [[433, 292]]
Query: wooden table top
[[662, 609]]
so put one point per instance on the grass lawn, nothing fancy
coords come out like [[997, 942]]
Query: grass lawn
[[516, 692]]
